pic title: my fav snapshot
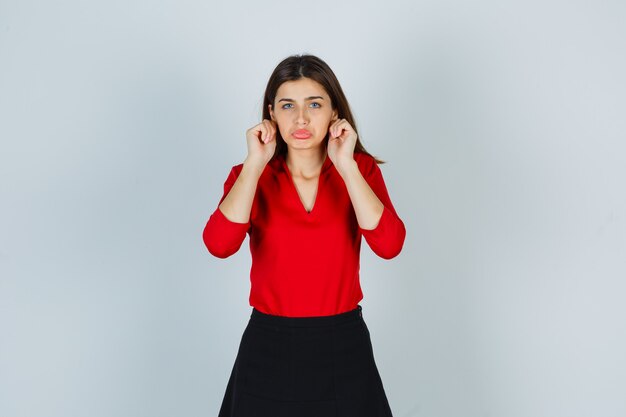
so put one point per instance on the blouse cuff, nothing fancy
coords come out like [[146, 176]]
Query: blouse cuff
[[387, 238], [229, 223], [222, 236]]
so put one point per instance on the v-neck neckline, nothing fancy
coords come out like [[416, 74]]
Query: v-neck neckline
[[327, 163]]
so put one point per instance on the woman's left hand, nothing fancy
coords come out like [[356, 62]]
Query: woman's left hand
[[341, 143]]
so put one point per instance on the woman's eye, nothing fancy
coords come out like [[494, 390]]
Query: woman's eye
[[314, 105]]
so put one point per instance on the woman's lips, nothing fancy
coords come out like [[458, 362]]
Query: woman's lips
[[301, 134]]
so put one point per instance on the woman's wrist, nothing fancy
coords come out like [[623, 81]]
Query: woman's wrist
[[345, 168], [253, 167]]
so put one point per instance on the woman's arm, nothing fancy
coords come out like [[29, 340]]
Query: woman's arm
[[236, 205], [378, 221], [367, 206], [227, 227], [261, 142], [221, 236]]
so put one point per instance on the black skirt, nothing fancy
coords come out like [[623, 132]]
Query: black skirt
[[305, 367]]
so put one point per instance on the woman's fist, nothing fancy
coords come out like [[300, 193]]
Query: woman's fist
[[341, 143], [261, 142]]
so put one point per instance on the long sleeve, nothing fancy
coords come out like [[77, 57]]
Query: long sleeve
[[387, 238], [221, 236]]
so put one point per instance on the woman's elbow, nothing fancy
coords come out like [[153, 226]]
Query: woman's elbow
[[395, 245], [390, 252], [218, 251], [217, 245]]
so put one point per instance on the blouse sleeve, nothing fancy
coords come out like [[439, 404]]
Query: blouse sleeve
[[221, 236], [387, 238]]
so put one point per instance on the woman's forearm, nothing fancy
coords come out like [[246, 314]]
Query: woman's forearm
[[367, 206], [237, 205]]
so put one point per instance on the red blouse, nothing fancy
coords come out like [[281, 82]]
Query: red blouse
[[305, 263]]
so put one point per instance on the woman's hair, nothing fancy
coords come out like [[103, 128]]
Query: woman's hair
[[308, 66]]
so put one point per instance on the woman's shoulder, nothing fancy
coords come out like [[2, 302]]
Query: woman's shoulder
[[365, 162], [364, 158], [234, 172]]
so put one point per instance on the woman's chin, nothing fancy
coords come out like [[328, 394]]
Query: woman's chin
[[299, 144]]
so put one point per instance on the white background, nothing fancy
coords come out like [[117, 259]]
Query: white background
[[503, 127]]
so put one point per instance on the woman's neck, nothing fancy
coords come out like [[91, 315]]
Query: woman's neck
[[306, 163]]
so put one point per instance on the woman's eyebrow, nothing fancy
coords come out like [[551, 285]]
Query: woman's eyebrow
[[308, 98]]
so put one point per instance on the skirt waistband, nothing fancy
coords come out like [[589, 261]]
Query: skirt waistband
[[318, 321]]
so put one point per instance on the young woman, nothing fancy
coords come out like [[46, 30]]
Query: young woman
[[305, 194]]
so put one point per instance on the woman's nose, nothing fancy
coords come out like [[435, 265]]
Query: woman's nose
[[302, 116]]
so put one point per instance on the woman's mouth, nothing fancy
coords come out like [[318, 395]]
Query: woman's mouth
[[301, 134]]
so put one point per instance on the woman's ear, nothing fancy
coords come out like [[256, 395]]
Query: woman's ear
[[335, 115], [269, 106]]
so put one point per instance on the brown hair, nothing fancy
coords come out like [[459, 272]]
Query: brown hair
[[309, 66]]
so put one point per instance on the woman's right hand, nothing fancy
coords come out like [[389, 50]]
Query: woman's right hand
[[261, 142]]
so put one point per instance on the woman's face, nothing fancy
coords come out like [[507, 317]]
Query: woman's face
[[302, 106]]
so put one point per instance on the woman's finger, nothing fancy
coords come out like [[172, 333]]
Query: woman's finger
[[255, 131], [337, 127], [274, 130], [269, 129], [263, 129], [331, 129]]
